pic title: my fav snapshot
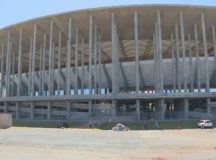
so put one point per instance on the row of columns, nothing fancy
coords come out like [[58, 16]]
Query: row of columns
[[177, 46], [94, 52], [93, 48]]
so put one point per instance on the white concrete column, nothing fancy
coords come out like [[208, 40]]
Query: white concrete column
[[2, 71], [49, 109], [138, 109], [114, 56], [59, 63], [197, 58], [173, 63], [161, 109], [43, 63], [30, 69], [68, 58], [5, 107], [100, 66], [114, 107], [32, 110], [186, 108], [8, 59], [50, 58], [52, 69], [136, 52], [156, 80], [68, 112], [208, 106], [40, 70], [14, 60], [95, 60], [90, 108], [90, 53], [160, 51], [33, 60], [76, 62], [183, 51], [19, 83], [17, 110], [83, 64], [190, 65], [177, 59], [205, 53], [214, 44]]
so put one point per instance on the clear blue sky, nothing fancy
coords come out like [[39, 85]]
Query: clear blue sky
[[14, 11]]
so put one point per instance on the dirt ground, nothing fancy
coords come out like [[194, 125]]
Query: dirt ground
[[86, 144]]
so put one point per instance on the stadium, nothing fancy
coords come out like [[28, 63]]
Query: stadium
[[129, 62]]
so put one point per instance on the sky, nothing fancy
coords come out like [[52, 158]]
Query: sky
[[15, 11]]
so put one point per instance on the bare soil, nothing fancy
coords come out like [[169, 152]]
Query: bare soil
[[86, 144]]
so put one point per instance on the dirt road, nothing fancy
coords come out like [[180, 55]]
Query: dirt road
[[85, 144]]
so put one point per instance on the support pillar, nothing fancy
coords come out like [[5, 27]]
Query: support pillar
[[83, 63], [138, 109], [5, 107], [2, 71], [173, 63], [90, 53], [161, 109], [186, 108], [100, 66], [205, 53], [43, 63], [183, 51], [178, 78], [68, 112], [68, 60], [32, 110], [156, 85], [208, 106], [76, 62], [90, 108], [114, 57], [197, 58], [30, 69], [40, 71], [59, 64], [19, 83], [214, 44], [49, 106], [136, 52], [95, 60], [50, 59], [9, 70], [14, 60], [160, 51], [8, 59], [33, 61], [114, 108], [190, 65], [17, 110]]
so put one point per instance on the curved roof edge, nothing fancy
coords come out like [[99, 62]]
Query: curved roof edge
[[104, 8]]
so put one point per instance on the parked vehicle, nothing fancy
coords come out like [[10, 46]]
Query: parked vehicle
[[205, 124]]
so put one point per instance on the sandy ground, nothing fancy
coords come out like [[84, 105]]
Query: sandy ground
[[85, 144]]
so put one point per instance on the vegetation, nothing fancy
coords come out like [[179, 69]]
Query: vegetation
[[168, 124], [43, 124], [174, 124]]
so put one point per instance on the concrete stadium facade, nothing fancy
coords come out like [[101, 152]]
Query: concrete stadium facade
[[128, 62]]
